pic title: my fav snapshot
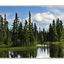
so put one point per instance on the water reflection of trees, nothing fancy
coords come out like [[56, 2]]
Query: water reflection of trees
[[56, 51], [4, 54], [24, 54]]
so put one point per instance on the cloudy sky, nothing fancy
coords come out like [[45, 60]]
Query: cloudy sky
[[41, 15]]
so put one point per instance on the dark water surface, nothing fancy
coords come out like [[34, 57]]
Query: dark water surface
[[50, 51]]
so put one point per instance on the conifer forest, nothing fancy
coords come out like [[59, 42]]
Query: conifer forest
[[28, 34]]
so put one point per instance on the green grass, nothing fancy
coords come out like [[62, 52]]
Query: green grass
[[7, 48], [55, 43], [20, 48], [49, 43], [61, 42], [46, 42], [4, 46]]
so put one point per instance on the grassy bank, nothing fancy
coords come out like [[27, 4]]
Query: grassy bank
[[61, 42], [20, 48], [7, 48], [51, 42]]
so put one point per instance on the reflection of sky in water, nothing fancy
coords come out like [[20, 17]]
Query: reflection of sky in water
[[10, 53], [46, 52], [19, 56], [43, 54], [41, 45]]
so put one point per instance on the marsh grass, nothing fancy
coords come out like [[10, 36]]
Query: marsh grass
[[20, 48], [7, 48]]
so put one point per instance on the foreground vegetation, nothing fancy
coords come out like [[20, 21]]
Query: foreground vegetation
[[57, 43], [20, 48], [7, 48]]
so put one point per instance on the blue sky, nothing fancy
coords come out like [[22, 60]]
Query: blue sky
[[41, 15], [22, 10]]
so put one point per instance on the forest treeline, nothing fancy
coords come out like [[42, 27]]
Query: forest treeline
[[28, 34]]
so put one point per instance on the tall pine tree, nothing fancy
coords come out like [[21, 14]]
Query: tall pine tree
[[55, 36]]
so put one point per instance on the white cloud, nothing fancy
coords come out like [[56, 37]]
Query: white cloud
[[57, 13], [10, 20], [47, 17], [43, 18], [59, 6], [47, 26], [41, 27], [61, 16]]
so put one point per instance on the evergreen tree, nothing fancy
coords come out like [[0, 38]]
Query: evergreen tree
[[26, 36], [58, 28], [35, 31], [29, 20], [6, 30], [47, 36], [61, 29], [50, 33], [1, 30], [55, 36], [39, 34], [20, 35], [31, 35], [41, 38], [15, 30], [44, 35]]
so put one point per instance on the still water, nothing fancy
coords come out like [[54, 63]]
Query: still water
[[50, 51]]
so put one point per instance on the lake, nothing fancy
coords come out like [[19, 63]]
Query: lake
[[49, 51]]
